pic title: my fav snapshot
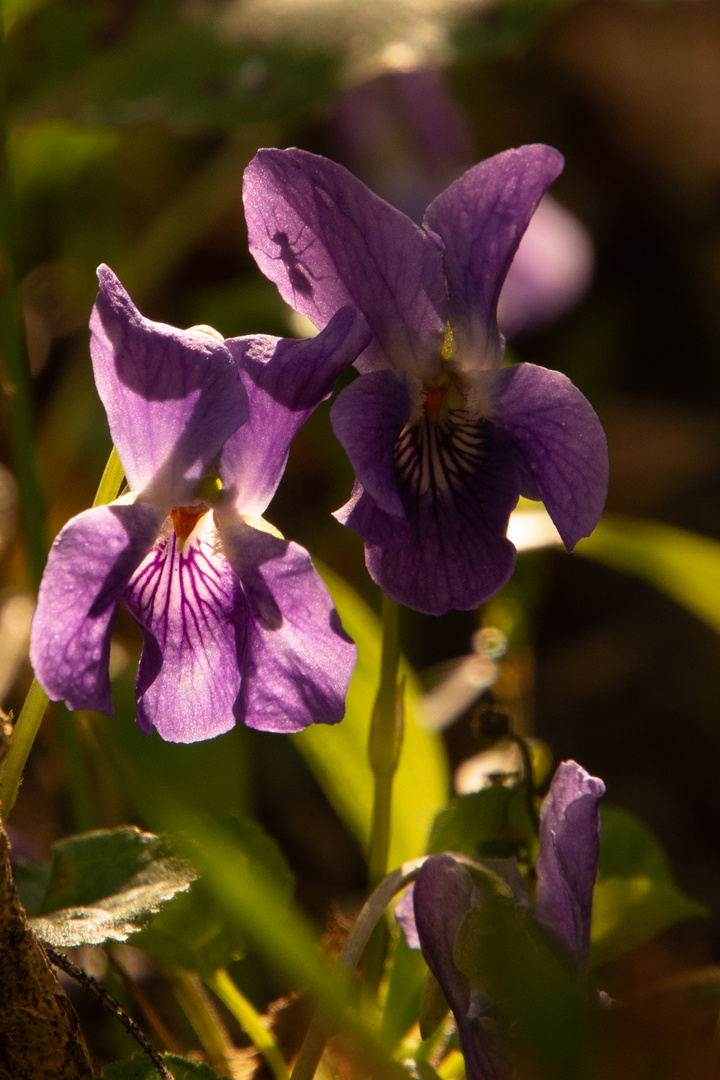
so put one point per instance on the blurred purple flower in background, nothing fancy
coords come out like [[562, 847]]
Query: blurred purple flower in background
[[430, 913], [442, 439], [237, 625], [405, 135]]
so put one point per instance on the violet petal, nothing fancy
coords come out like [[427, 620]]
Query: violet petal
[[87, 570], [561, 440], [444, 892], [367, 419], [299, 660], [326, 241], [285, 381], [567, 863], [481, 219], [172, 396], [362, 514], [459, 483], [194, 619]]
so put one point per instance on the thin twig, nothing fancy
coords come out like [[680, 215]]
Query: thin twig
[[93, 987]]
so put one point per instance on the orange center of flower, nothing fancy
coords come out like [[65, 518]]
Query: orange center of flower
[[184, 521], [433, 400], [434, 391]]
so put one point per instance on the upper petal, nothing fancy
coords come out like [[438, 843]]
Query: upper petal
[[299, 660], [367, 419], [172, 396], [87, 570], [561, 440], [285, 380], [567, 863], [326, 241], [192, 611], [481, 219]]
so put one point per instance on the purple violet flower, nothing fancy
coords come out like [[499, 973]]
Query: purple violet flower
[[430, 913], [237, 625], [442, 438]]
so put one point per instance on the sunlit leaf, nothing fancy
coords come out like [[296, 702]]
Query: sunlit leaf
[[105, 885], [245, 893], [681, 564], [635, 896], [338, 755]]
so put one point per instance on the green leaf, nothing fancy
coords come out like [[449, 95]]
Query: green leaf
[[635, 896], [162, 67], [31, 880], [681, 564], [406, 977], [105, 885], [190, 932], [544, 1012], [489, 824], [433, 1006], [140, 1067], [338, 755]]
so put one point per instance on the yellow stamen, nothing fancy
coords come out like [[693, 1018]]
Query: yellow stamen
[[204, 329]]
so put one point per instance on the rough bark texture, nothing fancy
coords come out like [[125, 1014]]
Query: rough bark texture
[[40, 1037]]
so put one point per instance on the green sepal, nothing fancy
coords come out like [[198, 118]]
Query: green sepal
[[433, 1006]]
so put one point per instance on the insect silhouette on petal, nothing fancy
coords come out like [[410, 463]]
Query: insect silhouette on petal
[[296, 272]]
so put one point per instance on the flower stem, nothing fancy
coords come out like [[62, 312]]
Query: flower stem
[[23, 736], [528, 780], [384, 744], [251, 1022], [386, 733], [361, 933], [28, 722], [201, 1013]]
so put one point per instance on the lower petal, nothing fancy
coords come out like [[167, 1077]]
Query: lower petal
[[87, 571], [299, 660], [459, 484], [363, 515], [191, 609]]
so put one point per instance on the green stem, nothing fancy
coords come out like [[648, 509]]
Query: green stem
[[28, 722], [13, 354], [384, 744], [23, 736], [528, 780], [202, 1015], [386, 732], [365, 924], [251, 1022]]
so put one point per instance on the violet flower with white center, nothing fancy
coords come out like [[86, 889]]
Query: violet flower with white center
[[442, 438], [237, 625], [565, 869]]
